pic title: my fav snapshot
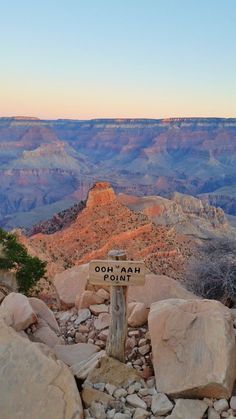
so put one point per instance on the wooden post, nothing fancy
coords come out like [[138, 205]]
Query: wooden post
[[118, 326]]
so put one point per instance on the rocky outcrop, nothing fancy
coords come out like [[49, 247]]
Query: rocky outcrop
[[193, 344], [100, 194], [33, 383], [187, 214], [102, 227]]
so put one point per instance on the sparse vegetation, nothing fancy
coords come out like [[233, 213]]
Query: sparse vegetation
[[213, 273], [14, 256]]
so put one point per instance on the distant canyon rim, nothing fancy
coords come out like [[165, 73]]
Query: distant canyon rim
[[48, 165]]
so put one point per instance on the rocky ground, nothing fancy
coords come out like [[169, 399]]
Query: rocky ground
[[108, 388]]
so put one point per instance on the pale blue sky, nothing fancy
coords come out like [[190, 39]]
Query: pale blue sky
[[118, 58]]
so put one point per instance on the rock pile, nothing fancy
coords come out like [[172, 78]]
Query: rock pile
[[189, 342]]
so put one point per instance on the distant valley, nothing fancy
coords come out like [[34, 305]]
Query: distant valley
[[47, 166]]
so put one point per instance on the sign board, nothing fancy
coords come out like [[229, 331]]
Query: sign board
[[116, 272]]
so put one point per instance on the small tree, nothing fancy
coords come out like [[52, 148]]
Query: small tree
[[213, 273], [14, 256]]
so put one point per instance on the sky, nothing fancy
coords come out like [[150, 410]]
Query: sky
[[88, 59]]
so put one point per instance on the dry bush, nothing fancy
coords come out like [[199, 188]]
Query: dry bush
[[213, 273]]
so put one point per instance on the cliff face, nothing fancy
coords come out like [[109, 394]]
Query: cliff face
[[187, 214], [105, 224], [143, 157]]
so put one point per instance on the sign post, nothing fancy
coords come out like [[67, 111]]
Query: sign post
[[119, 273]]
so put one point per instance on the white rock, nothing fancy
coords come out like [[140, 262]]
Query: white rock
[[97, 410], [135, 401], [120, 392], [140, 413], [111, 413], [187, 408], [161, 404], [83, 315], [17, 311], [97, 309], [213, 414], [221, 405], [233, 402], [110, 388]]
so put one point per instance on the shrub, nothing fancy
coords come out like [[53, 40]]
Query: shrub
[[213, 273], [14, 256]]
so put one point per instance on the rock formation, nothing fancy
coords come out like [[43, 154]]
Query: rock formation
[[105, 224]]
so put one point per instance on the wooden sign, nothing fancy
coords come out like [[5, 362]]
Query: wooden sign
[[116, 273]]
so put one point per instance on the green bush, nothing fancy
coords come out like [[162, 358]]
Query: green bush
[[14, 256]]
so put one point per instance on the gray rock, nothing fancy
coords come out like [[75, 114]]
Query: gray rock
[[135, 401], [213, 414], [140, 413], [188, 408], [161, 404], [221, 405], [83, 315], [97, 410]]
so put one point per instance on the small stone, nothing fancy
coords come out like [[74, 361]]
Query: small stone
[[213, 414], [99, 386], [120, 392], [142, 342], [140, 413], [100, 343], [97, 410], [131, 389], [143, 392], [183, 408], [83, 315], [221, 405], [110, 388], [83, 328], [135, 401], [233, 402], [111, 413], [134, 333], [208, 401], [97, 309], [102, 322], [80, 338], [137, 386], [151, 382], [122, 416], [103, 294], [161, 404], [143, 350], [225, 414], [103, 335]]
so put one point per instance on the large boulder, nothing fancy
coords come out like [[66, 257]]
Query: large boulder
[[71, 283], [17, 311], [193, 345], [158, 288], [33, 384]]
